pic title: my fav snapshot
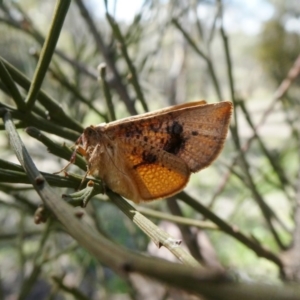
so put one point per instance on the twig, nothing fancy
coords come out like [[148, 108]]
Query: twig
[[133, 74], [63, 81], [55, 111], [119, 86], [11, 86], [267, 213], [177, 219], [36, 121], [57, 149], [157, 235], [75, 292], [47, 51], [231, 230], [37, 267], [205, 56], [189, 237], [106, 91]]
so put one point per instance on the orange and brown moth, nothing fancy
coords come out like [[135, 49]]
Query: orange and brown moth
[[151, 156]]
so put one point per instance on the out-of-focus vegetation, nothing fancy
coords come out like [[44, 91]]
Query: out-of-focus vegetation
[[240, 214], [279, 42]]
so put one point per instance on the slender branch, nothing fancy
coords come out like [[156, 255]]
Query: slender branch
[[55, 111], [45, 125], [31, 280], [188, 236], [73, 291], [235, 135], [119, 86], [157, 235], [57, 149], [205, 56], [63, 81], [133, 76], [177, 219], [61, 10], [11, 86], [231, 230], [106, 91]]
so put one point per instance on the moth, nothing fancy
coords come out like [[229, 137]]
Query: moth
[[152, 155]]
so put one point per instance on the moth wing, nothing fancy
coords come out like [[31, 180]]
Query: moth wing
[[194, 132], [156, 174], [204, 133]]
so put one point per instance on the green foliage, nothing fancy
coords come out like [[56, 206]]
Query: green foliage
[[278, 49]]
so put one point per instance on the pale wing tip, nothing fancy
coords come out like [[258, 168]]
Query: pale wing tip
[[226, 107]]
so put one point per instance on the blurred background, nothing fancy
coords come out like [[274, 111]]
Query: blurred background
[[243, 51]]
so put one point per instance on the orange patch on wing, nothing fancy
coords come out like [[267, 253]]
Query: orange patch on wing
[[160, 181]]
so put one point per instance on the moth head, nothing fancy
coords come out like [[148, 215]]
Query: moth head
[[89, 137]]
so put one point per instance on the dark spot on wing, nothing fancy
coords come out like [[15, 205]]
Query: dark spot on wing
[[194, 132], [175, 128], [149, 158], [174, 144], [176, 140]]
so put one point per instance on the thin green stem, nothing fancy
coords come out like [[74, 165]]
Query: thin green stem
[[231, 230], [45, 125], [55, 111], [63, 81], [31, 280], [11, 86], [157, 235], [205, 225], [48, 49], [106, 52], [57, 149], [206, 58], [133, 74], [107, 94]]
